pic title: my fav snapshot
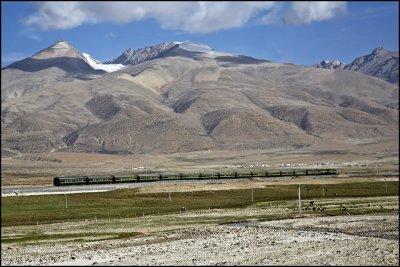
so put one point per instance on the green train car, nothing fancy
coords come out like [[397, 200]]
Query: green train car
[[152, 177]]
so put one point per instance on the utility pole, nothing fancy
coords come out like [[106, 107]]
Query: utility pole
[[66, 200], [299, 201]]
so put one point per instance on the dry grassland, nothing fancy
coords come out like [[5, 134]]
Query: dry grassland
[[39, 169]]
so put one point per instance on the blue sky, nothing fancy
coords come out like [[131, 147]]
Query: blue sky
[[295, 32]]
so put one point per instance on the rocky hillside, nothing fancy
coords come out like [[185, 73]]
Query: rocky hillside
[[132, 57], [381, 63], [195, 101]]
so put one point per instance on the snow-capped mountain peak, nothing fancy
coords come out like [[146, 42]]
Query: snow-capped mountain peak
[[97, 65]]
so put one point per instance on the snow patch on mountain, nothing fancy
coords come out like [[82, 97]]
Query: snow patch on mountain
[[97, 65], [189, 46]]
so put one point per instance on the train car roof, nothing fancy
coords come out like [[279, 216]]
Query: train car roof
[[70, 177], [100, 176], [172, 173], [149, 174], [126, 175]]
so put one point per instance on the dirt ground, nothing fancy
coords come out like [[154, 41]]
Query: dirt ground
[[342, 240], [30, 170]]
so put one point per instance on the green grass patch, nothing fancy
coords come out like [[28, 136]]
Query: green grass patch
[[129, 203]]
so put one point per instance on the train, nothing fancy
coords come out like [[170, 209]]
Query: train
[[152, 177]]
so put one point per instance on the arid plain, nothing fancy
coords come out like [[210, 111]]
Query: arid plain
[[238, 236], [39, 169]]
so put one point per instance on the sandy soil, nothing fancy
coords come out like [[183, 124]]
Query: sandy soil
[[344, 240]]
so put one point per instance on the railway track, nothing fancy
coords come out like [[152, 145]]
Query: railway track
[[106, 187], [25, 191]]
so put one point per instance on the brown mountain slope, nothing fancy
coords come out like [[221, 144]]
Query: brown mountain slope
[[212, 102]]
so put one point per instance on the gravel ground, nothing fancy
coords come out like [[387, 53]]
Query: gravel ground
[[339, 240]]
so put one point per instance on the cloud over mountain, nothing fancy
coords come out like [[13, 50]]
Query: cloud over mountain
[[309, 12], [194, 17]]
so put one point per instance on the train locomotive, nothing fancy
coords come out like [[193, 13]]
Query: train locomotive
[[152, 177]]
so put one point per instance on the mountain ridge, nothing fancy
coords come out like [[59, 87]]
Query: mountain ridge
[[194, 101], [61, 55], [132, 57], [380, 63]]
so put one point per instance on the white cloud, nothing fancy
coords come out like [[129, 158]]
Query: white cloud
[[188, 16], [59, 15], [309, 12], [195, 17], [272, 17], [214, 16]]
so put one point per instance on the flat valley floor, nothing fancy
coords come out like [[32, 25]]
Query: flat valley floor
[[197, 237], [30, 170]]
